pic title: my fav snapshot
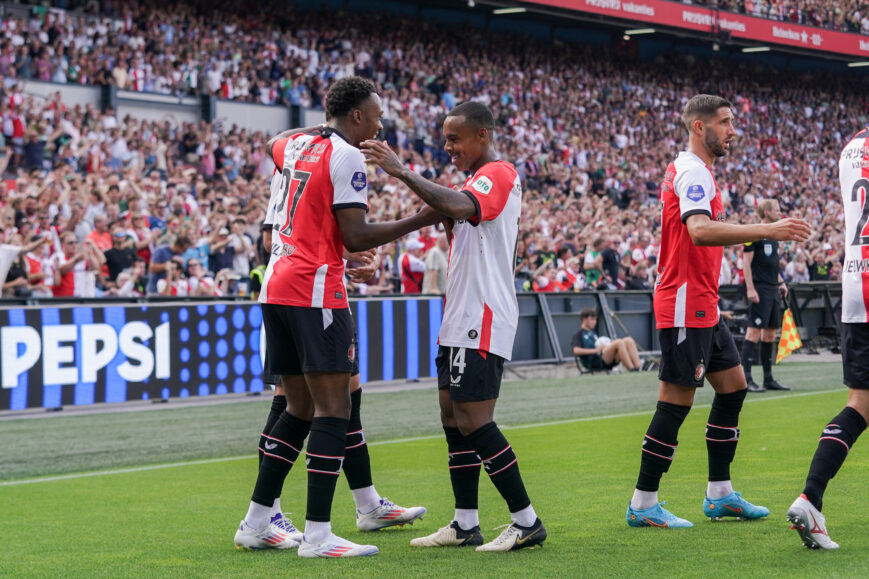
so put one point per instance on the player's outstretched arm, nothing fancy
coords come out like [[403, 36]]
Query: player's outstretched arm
[[359, 235], [705, 231], [446, 201], [289, 133]]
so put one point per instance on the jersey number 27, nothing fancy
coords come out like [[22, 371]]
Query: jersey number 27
[[299, 179]]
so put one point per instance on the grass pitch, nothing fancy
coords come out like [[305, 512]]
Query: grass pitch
[[189, 474]]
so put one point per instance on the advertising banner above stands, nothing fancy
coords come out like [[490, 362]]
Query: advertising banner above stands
[[703, 19]]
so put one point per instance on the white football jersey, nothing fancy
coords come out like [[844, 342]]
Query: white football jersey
[[854, 180], [481, 311]]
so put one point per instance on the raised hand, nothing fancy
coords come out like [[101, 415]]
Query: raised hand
[[381, 154]]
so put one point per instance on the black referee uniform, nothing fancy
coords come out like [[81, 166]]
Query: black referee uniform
[[767, 312]]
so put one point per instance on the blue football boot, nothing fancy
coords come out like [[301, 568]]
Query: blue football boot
[[733, 505], [656, 516]]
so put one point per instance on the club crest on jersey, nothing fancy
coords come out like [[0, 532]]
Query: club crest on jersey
[[699, 372], [767, 249], [359, 181], [351, 352], [482, 185], [695, 193]]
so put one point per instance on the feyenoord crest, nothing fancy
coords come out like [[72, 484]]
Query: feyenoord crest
[[699, 372], [351, 352]]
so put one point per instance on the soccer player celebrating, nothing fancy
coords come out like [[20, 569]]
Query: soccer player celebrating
[[323, 200], [842, 432], [479, 325], [694, 343], [373, 512]]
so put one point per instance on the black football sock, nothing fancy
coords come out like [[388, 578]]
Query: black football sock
[[659, 444], [722, 433], [833, 447], [501, 465], [280, 450], [766, 360], [748, 352], [357, 463], [279, 404], [464, 469], [325, 454]]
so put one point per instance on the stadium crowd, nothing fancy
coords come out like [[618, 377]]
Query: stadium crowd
[[101, 205], [843, 15]]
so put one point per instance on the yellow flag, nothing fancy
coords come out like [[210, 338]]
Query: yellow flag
[[790, 337]]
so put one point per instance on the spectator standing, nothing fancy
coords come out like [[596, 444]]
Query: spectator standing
[[412, 267], [75, 268], [122, 254], [435, 279], [222, 252], [161, 256], [594, 263]]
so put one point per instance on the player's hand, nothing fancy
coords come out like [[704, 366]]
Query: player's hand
[[368, 263], [752, 296], [380, 153], [789, 229]]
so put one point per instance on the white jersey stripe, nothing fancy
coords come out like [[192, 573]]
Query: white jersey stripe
[[681, 301], [319, 286]]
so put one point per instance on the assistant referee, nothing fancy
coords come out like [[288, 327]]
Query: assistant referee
[[763, 284]]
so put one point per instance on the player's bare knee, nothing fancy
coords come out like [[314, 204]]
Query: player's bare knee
[[859, 401]]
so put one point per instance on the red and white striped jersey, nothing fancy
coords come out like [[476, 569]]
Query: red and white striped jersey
[[319, 175], [686, 290], [481, 310], [854, 180]]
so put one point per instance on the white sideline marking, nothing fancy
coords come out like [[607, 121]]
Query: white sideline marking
[[376, 443]]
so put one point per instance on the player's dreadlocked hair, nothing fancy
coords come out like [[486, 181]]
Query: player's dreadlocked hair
[[346, 95], [702, 106], [477, 114]]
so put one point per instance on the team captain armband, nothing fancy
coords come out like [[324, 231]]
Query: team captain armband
[[489, 188]]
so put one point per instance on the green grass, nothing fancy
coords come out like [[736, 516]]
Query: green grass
[[178, 521]]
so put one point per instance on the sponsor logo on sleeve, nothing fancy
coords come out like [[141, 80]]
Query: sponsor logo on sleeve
[[695, 193], [359, 181], [482, 185]]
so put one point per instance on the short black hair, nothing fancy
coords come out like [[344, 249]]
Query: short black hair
[[346, 95], [702, 106], [477, 114]]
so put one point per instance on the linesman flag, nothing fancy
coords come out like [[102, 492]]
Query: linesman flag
[[790, 337]]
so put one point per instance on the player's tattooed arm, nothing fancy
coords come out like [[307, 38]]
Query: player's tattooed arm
[[446, 201]]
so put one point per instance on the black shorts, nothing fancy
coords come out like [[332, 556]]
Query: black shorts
[[595, 362], [855, 355], [300, 340], [766, 313], [275, 379], [688, 354], [471, 375]]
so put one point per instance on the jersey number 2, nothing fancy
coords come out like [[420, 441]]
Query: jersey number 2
[[860, 238], [300, 180]]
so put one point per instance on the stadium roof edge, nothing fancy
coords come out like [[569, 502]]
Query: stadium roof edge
[[549, 9]]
